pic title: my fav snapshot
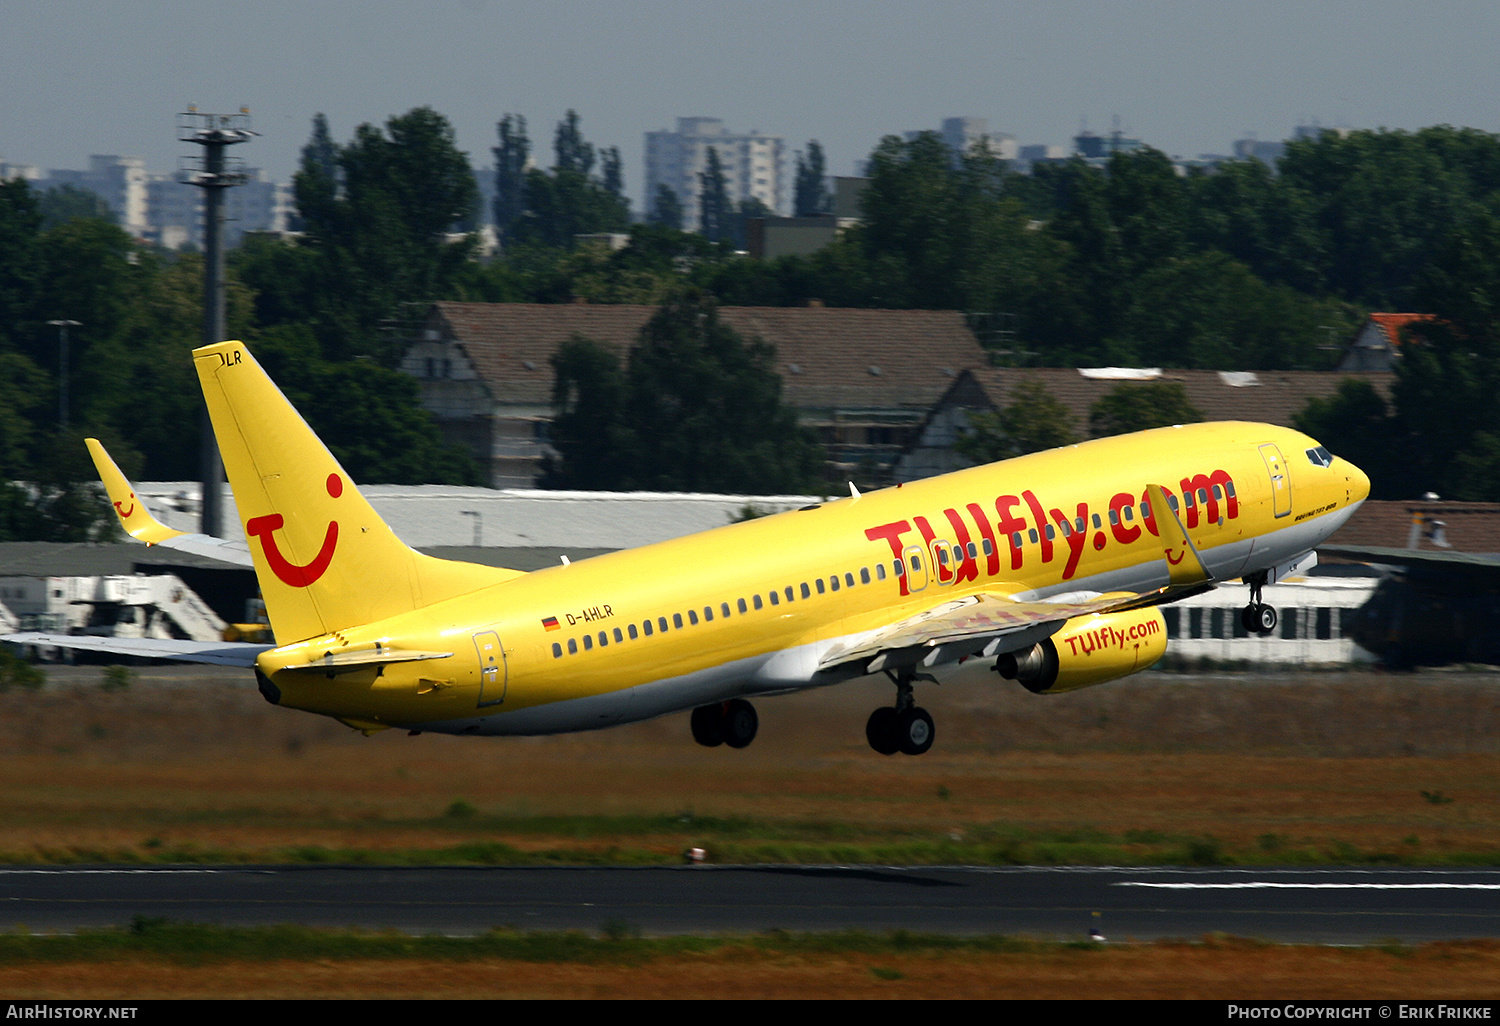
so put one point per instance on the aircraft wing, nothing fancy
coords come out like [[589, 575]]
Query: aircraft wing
[[965, 626], [1417, 559], [991, 623], [138, 522], [215, 653]]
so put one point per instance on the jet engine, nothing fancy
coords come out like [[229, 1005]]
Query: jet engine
[[1089, 650]]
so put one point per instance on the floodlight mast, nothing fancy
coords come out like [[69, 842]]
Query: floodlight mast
[[211, 173]]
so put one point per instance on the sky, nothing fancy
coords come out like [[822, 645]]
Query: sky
[[81, 77]]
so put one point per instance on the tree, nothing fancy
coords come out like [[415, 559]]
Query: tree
[[1356, 423], [699, 409], [812, 196], [572, 200], [666, 208], [1137, 406], [511, 157], [714, 206], [378, 222], [66, 202], [1033, 421]]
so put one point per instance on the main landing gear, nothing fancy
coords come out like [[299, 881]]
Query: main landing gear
[[904, 727], [1257, 617], [731, 723]]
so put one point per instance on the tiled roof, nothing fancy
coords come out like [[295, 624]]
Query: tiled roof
[[827, 357], [1468, 526], [1271, 397]]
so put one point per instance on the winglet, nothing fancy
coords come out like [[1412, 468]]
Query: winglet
[[134, 517], [1187, 568]]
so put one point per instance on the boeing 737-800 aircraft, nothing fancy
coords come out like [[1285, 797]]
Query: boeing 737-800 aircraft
[[1052, 565]]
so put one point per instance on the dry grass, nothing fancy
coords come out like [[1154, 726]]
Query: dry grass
[[1326, 763], [1218, 969]]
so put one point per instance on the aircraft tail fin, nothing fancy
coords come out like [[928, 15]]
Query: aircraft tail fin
[[324, 558]]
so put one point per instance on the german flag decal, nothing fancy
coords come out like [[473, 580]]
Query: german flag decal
[[551, 624]]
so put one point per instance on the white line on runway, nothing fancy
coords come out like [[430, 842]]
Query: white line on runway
[[1271, 885]]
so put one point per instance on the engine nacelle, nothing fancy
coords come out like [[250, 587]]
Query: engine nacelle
[[1089, 650]]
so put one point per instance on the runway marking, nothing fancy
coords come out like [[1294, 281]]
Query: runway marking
[[1270, 885]]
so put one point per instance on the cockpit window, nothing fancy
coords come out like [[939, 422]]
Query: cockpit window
[[1320, 457]]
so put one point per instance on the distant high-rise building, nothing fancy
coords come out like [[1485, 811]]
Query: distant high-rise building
[[754, 165], [121, 182], [962, 134]]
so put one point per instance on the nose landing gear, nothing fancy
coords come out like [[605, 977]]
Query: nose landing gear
[[1257, 617]]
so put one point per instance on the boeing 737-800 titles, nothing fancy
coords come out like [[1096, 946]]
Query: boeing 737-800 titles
[[1052, 565]]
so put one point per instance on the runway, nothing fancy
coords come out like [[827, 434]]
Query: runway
[[1330, 906]]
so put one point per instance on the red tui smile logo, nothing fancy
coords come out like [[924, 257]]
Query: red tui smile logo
[[286, 571], [125, 513]]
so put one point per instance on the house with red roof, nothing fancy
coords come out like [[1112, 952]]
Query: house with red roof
[[1377, 344]]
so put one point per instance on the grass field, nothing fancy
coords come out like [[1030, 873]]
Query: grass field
[[1164, 768]]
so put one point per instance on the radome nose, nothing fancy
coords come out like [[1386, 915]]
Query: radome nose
[[1359, 482]]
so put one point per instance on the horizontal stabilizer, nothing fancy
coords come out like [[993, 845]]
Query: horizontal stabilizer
[[213, 653]]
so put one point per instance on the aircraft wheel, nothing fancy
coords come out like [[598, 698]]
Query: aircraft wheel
[[880, 731], [915, 731], [1265, 619], [1249, 619], [708, 725], [740, 723]]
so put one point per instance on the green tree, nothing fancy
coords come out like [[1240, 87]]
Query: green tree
[[1136, 406], [699, 409], [715, 209], [1032, 422], [510, 171], [572, 200], [66, 202], [666, 208], [811, 190], [1356, 423]]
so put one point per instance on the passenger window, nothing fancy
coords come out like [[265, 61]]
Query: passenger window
[[677, 620], [556, 650], [790, 596], [864, 575], [1097, 522], [603, 639], [708, 614], [916, 564], [989, 548], [819, 583], [775, 600], [1114, 518], [1015, 539], [1033, 535], [646, 626], [1051, 534], [618, 636], [692, 617], [633, 635], [588, 642], [807, 592], [572, 646], [849, 580], [833, 582], [898, 567]]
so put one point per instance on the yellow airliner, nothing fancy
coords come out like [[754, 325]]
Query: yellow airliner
[[1052, 565]]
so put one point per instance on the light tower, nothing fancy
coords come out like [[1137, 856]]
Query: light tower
[[212, 173]]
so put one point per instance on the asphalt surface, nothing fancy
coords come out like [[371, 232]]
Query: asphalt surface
[[1332, 906]]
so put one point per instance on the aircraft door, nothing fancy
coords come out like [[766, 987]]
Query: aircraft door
[[916, 567], [1281, 481], [492, 675]]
